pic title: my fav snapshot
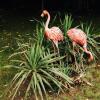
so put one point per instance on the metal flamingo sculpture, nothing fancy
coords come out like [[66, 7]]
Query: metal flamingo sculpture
[[54, 34], [79, 37]]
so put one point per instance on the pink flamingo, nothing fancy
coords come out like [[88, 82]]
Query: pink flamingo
[[54, 34], [79, 37]]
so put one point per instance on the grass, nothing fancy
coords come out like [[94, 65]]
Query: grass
[[6, 76], [24, 29], [92, 93], [81, 93]]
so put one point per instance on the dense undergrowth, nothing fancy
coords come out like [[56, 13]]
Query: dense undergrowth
[[37, 70]]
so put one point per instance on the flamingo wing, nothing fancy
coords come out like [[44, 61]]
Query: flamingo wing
[[54, 34]]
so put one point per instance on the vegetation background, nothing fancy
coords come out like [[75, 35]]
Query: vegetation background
[[21, 26]]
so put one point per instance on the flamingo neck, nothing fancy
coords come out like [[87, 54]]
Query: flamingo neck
[[90, 56], [48, 20]]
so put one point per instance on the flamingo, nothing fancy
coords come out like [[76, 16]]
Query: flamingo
[[54, 34], [79, 37]]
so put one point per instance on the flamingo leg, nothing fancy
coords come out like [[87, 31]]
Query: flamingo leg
[[89, 53], [58, 52], [74, 44], [56, 45], [85, 47], [53, 45]]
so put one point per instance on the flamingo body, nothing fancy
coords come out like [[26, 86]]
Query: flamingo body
[[79, 37], [54, 33]]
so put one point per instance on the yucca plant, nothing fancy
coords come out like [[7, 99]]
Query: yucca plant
[[66, 46], [93, 45], [38, 70], [66, 23]]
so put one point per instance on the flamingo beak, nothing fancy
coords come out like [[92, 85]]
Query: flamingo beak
[[42, 15]]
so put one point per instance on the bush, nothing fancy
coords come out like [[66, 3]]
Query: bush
[[39, 69]]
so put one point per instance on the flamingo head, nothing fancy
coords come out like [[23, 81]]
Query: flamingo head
[[45, 12]]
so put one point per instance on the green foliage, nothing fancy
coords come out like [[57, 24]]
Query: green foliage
[[66, 23], [66, 47], [93, 45], [39, 68]]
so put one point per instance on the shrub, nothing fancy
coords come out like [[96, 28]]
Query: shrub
[[37, 68]]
